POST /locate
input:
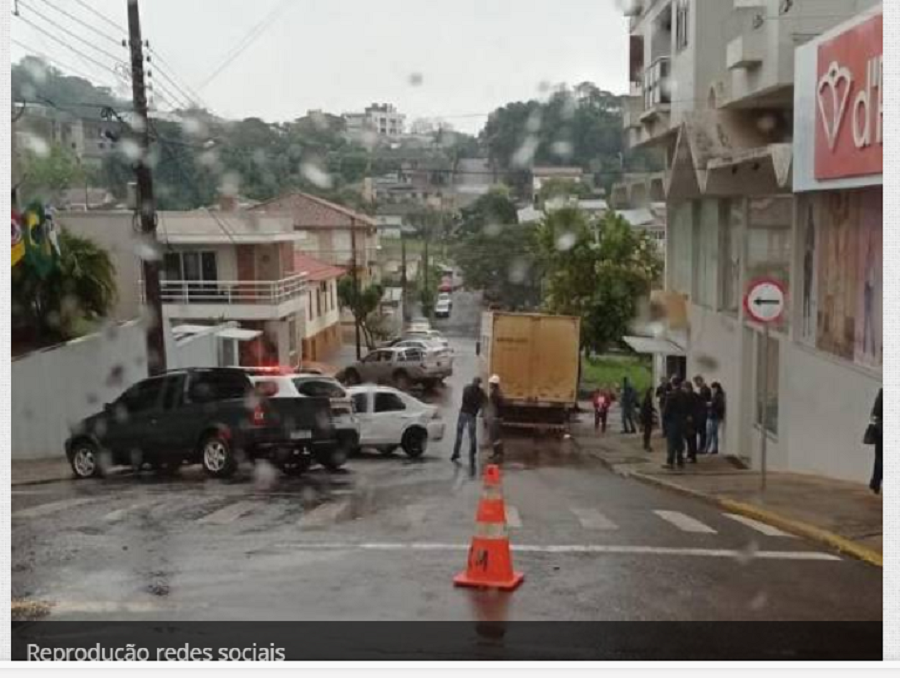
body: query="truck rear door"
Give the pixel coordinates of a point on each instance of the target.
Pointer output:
(555, 356)
(511, 355)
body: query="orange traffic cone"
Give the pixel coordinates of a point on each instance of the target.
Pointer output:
(490, 561)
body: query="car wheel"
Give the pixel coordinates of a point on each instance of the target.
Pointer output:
(402, 381)
(351, 378)
(85, 460)
(217, 456)
(334, 459)
(296, 467)
(415, 440)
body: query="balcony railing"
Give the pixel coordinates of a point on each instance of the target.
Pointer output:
(267, 292)
(657, 89)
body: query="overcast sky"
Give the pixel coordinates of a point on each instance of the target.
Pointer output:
(340, 55)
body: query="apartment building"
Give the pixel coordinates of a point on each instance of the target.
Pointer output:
(713, 88)
(383, 120)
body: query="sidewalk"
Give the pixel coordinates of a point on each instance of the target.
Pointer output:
(39, 471)
(845, 516)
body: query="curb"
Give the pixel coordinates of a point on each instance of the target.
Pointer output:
(796, 527)
(41, 481)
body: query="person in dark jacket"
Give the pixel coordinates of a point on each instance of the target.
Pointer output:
(647, 414)
(472, 401)
(493, 417)
(716, 418)
(694, 405)
(875, 484)
(663, 390)
(705, 394)
(628, 402)
(675, 416)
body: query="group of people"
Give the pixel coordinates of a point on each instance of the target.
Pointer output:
(692, 416)
(490, 405)
(627, 395)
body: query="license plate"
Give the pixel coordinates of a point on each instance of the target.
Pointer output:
(301, 435)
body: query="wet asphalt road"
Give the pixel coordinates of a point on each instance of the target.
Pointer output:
(382, 540)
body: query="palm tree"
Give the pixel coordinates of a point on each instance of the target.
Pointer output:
(80, 289)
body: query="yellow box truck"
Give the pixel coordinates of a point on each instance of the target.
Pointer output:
(537, 358)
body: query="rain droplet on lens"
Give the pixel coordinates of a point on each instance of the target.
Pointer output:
(562, 149)
(493, 230)
(524, 155)
(746, 555)
(230, 185)
(415, 79)
(565, 242)
(317, 176)
(518, 271)
(147, 249)
(116, 376)
(37, 145)
(760, 600)
(129, 149)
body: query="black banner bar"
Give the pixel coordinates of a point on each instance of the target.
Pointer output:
(447, 641)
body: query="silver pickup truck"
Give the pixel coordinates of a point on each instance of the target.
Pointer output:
(402, 366)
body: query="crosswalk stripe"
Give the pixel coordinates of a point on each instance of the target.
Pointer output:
(118, 514)
(767, 530)
(513, 519)
(53, 507)
(592, 519)
(229, 514)
(325, 514)
(685, 523)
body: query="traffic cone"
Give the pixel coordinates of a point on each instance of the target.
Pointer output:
(490, 562)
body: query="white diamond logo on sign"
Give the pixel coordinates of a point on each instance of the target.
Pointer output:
(765, 301)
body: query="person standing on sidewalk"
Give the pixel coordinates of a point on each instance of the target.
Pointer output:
(628, 402)
(675, 417)
(694, 404)
(875, 434)
(472, 401)
(716, 418)
(648, 412)
(493, 414)
(601, 400)
(702, 415)
(662, 391)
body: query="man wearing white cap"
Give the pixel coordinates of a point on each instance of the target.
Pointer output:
(493, 418)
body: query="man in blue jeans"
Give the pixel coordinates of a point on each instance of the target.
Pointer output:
(472, 401)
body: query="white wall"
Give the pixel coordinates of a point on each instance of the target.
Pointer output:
(313, 325)
(57, 387)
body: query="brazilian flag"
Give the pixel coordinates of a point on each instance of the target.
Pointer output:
(39, 232)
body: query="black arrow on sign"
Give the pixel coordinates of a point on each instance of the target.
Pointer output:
(766, 302)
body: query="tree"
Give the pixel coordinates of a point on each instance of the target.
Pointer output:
(363, 306)
(47, 175)
(80, 289)
(599, 273)
(495, 208)
(564, 189)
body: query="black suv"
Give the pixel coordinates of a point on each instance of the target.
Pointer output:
(209, 416)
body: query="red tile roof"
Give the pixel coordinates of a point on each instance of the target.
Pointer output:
(310, 211)
(316, 271)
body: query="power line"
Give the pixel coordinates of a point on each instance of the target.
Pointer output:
(70, 33)
(62, 42)
(157, 69)
(246, 41)
(101, 16)
(90, 27)
(48, 58)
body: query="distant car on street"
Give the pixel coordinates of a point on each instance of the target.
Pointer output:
(317, 386)
(433, 335)
(206, 416)
(446, 286)
(443, 308)
(403, 367)
(389, 419)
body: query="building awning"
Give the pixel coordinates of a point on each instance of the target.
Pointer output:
(239, 334)
(654, 346)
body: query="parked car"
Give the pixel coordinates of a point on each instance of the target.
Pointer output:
(389, 419)
(401, 366)
(317, 386)
(207, 416)
(429, 345)
(419, 325)
(442, 308)
(433, 335)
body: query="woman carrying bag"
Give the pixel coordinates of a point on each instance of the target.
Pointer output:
(874, 437)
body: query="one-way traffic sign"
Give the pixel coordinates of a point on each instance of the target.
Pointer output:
(765, 300)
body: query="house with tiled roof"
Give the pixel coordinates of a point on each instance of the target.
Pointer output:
(321, 327)
(329, 231)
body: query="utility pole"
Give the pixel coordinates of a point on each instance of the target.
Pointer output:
(403, 301)
(156, 345)
(355, 274)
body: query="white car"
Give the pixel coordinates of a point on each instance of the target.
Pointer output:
(389, 419)
(433, 335)
(442, 309)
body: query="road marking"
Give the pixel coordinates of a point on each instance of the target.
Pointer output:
(229, 514)
(598, 549)
(592, 519)
(53, 507)
(325, 514)
(118, 514)
(513, 519)
(685, 523)
(767, 530)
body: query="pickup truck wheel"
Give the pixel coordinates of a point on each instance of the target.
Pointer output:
(401, 379)
(414, 442)
(351, 377)
(296, 467)
(217, 456)
(85, 460)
